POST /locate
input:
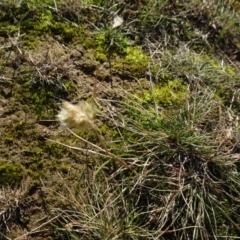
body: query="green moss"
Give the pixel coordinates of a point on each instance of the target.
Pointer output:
(68, 31)
(111, 43)
(34, 162)
(172, 93)
(33, 151)
(88, 42)
(40, 98)
(99, 46)
(98, 2)
(55, 150)
(114, 46)
(16, 131)
(54, 165)
(38, 23)
(134, 55)
(37, 167)
(41, 102)
(125, 58)
(9, 139)
(134, 60)
(90, 135)
(31, 40)
(64, 169)
(68, 85)
(108, 133)
(100, 55)
(10, 174)
(8, 28)
(103, 129)
(26, 220)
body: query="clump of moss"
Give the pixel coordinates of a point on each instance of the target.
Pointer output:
(68, 31)
(110, 43)
(47, 24)
(115, 47)
(10, 173)
(172, 93)
(8, 28)
(34, 162)
(36, 21)
(136, 55)
(54, 149)
(39, 100)
(40, 97)
(17, 130)
(135, 61)
(41, 24)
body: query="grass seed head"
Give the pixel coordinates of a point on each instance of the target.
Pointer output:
(79, 115)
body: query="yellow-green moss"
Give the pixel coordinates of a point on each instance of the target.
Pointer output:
(38, 23)
(108, 133)
(8, 28)
(34, 161)
(100, 46)
(134, 60)
(10, 174)
(41, 24)
(55, 150)
(111, 43)
(16, 131)
(126, 58)
(98, 2)
(114, 46)
(40, 97)
(100, 55)
(86, 41)
(41, 101)
(68, 31)
(31, 40)
(172, 93)
(134, 55)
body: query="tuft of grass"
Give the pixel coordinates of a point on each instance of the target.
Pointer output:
(12, 209)
(183, 180)
(100, 210)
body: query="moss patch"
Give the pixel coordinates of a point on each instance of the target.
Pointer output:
(172, 93)
(115, 47)
(10, 174)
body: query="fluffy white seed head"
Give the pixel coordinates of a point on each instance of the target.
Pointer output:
(79, 115)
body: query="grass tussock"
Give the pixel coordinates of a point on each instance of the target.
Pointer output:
(182, 180)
